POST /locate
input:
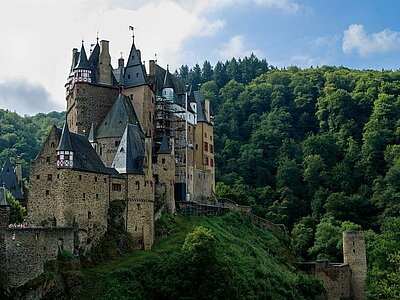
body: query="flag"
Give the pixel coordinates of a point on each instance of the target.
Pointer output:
(131, 28)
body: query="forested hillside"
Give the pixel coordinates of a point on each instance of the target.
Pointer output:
(315, 149)
(21, 137)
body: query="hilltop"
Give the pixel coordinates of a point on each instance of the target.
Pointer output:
(226, 255)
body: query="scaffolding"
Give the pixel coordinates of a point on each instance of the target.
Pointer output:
(170, 119)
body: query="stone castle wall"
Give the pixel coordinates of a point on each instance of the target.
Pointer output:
(335, 278)
(354, 254)
(106, 148)
(164, 170)
(88, 103)
(143, 100)
(25, 251)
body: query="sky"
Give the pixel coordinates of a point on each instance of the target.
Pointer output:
(37, 37)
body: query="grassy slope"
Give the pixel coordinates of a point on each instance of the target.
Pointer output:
(252, 251)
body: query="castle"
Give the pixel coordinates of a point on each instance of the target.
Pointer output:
(129, 135)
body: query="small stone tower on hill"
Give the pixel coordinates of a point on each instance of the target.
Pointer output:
(354, 255)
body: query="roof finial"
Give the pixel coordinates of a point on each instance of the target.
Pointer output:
(121, 54)
(133, 31)
(97, 37)
(167, 68)
(155, 54)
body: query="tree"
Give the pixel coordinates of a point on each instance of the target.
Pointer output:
(17, 211)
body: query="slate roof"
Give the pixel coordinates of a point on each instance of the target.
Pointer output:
(135, 72)
(65, 140)
(10, 180)
(130, 154)
(83, 62)
(92, 133)
(164, 148)
(85, 157)
(121, 113)
(167, 79)
(201, 111)
(177, 82)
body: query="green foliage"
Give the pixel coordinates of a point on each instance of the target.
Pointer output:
(17, 211)
(218, 257)
(383, 251)
(22, 137)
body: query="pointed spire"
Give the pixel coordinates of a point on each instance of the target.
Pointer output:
(65, 140)
(92, 133)
(167, 79)
(3, 196)
(83, 62)
(130, 154)
(164, 148)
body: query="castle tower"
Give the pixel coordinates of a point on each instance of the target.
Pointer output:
(168, 87)
(355, 256)
(137, 88)
(165, 174)
(82, 71)
(132, 160)
(65, 151)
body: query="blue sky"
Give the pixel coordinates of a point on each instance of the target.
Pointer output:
(38, 36)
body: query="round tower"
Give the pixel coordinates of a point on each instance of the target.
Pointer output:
(355, 256)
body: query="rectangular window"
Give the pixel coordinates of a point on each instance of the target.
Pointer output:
(211, 148)
(206, 160)
(156, 178)
(89, 215)
(205, 146)
(84, 196)
(137, 185)
(48, 159)
(116, 187)
(37, 176)
(49, 177)
(80, 177)
(47, 192)
(97, 196)
(212, 162)
(95, 179)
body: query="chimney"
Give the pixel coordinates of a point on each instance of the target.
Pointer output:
(121, 63)
(152, 67)
(104, 68)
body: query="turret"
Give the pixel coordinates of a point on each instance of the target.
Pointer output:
(168, 87)
(82, 70)
(135, 74)
(65, 151)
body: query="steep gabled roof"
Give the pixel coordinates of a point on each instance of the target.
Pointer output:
(85, 157)
(130, 154)
(10, 180)
(121, 113)
(65, 140)
(201, 111)
(168, 79)
(92, 133)
(164, 148)
(177, 82)
(83, 62)
(94, 57)
(135, 73)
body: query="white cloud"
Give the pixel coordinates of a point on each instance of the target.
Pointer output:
(18, 94)
(236, 47)
(355, 38)
(286, 6)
